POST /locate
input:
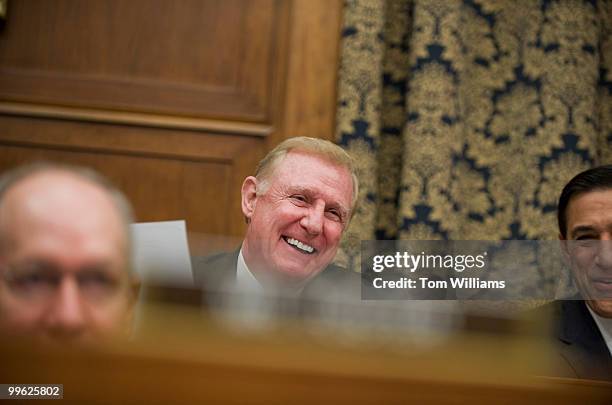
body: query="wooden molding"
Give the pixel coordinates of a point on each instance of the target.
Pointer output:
(311, 69)
(147, 120)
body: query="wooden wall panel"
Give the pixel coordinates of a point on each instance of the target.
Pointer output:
(185, 58)
(163, 185)
(160, 174)
(174, 101)
(309, 101)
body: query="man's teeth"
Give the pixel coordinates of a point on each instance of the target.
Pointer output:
(300, 245)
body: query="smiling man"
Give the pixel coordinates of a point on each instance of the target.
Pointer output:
(297, 207)
(64, 256)
(584, 324)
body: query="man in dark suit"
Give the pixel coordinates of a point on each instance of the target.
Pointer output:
(297, 207)
(584, 324)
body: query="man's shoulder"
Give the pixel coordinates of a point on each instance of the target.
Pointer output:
(577, 338)
(333, 271)
(334, 280)
(568, 318)
(334, 274)
(550, 310)
(216, 258)
(214, 270)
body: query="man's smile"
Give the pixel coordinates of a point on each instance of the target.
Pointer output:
(603, 285)
(299, 246)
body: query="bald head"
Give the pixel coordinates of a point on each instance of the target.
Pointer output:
(63, 205)
(64, 257)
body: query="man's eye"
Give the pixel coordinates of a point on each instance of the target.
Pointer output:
(585, 242)
(96, 280)
(34, 279)
(299, 198)
(334, 215)
(33, 282)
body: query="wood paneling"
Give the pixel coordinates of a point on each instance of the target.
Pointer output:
(196, 58)
(309, 107)
(174, 101)
(174, 176)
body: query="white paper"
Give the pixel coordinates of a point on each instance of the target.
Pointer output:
(161, 253)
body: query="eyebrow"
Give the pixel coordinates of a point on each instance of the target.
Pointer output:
(47, 266)
(581, 229)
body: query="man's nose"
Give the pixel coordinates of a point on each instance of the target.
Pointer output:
(66, 318)
(312, 221)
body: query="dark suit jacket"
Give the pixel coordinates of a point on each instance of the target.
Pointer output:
(579, 341)
(218, 271)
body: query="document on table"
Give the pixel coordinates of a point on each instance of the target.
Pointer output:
(161, 253)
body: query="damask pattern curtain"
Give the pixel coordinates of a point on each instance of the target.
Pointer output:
(467, 117)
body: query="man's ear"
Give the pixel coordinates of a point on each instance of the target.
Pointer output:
(249, 197)
(564, 248)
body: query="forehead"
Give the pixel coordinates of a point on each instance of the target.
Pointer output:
(316, 174)
(593, 208)
(58, 211)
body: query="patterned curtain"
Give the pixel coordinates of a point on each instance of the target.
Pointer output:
(467, 117)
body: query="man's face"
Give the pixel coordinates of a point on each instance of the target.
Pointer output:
(589, 249)
(63, 271)
(296, 224)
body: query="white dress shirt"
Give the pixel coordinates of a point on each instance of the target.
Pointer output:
(245, 280)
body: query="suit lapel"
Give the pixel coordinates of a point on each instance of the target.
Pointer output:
(584, 347)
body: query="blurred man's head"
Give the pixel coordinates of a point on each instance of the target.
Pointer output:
(585, 222)
(64, 255)
(297, 206)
